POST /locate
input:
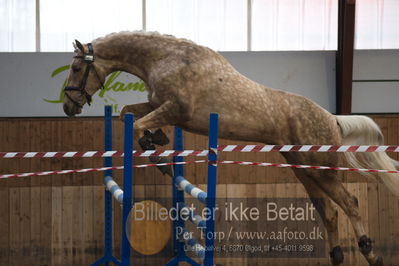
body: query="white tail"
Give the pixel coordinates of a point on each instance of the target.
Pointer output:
(362, 130)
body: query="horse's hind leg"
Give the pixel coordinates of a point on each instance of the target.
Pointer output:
(328, 182)
(328, 212)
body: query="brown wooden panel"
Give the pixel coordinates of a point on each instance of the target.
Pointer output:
(59, 219)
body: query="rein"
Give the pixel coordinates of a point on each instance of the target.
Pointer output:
(88, 58)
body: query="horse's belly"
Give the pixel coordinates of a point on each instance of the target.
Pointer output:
(242, 128)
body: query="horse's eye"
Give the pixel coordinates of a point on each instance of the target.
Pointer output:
(75, 69)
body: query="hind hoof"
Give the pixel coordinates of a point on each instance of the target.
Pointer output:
(337, 255)
(365, 245)
(378, 262)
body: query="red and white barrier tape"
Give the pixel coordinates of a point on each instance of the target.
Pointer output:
(280, 165)
(221, 148)
(90, 154)
(307, 148)
(87, 170)
(284, 165)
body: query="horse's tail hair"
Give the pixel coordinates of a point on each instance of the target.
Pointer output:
(362, 130)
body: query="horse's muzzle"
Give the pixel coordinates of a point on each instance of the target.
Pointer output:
(71, 110)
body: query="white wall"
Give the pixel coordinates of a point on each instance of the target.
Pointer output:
(373, 88)
(311, 74)
(25, 80)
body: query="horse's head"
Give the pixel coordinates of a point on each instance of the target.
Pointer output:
(86, 76)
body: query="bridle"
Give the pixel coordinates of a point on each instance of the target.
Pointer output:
(88, 58)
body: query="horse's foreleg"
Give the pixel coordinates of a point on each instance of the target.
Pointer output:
(139, 110)
(146, 138)
(328, 212)
(169, 113)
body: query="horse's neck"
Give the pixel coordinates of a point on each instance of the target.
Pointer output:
(133, 54)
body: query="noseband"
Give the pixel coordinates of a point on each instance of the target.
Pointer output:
(88, 58)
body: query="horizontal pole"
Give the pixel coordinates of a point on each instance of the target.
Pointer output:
(192, 243)
(189, 188)
(113, 187)
(193, 217)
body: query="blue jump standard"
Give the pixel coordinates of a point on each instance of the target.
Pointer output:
(126, 195)
(181, 185)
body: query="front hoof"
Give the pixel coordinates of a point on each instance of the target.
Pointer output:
(159, 137)
(146, 143)
(165, 169)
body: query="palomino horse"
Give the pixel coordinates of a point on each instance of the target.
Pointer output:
(186, 82)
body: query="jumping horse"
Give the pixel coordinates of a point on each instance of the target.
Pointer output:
(186, 82)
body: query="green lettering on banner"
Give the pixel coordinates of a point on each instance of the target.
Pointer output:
(110, 85)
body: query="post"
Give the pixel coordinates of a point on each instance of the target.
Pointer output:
(108, 257)
(211, 189)
(344, 56)
(108, 195)
(178, 195)
(127, 185)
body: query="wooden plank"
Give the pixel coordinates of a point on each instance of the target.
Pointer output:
(343, 232)
(67, 132)
(271, 194)
(45, 145)
(353, 188)
(88, 143)
(56, 143)
(46, 225)
(57, 245)
(23, 145)
(15, 230)
(87, 225)
(34, 138)
(36, 246)
(364, 213)
(373, 210)
(4, 225)
(383, 212)
(201, 169)
(77, 224)
(189, 144)
(25, 226)
(11, 143)
(96, 129)
(98, 221)
(67, 225)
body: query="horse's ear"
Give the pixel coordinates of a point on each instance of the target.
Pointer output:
(80, 46)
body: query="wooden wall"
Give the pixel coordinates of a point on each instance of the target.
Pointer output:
(58, 220)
